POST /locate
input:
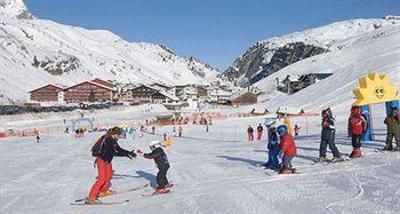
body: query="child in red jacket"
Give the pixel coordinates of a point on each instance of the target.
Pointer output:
(288, 148)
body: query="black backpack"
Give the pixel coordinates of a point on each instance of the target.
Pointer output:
(98, 147)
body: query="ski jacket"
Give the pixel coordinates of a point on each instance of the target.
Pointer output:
(250, 130)
(260, 129)
(357, 125)
(160, 158)
(110, 149)
(392, 122)
(273, 142)
(287, 145)
(328, 128)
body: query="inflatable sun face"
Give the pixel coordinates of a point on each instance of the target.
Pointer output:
(375, 88)
(380, 92)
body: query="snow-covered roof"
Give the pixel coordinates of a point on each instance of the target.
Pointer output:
(170, 96)
(220, 93)
(289, 110)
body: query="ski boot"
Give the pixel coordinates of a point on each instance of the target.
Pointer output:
(285, 171)
(388, 147)
(323, 160)
(161, 190)
(92, 201)
(357, 153)
(106, 193)
(337, 159)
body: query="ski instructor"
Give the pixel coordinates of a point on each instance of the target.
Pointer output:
(104, 150)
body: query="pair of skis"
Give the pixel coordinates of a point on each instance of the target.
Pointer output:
(83, 201)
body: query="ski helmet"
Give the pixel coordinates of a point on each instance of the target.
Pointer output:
(154, 144)
(282, 130)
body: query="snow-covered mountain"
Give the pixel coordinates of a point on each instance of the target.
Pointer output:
(351, 58)
(35, 52)
(269, 56)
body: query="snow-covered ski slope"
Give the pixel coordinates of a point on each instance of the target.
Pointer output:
(35, 52)
(377, 50)
(213, 172)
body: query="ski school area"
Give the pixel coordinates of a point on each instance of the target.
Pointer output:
(219, 171)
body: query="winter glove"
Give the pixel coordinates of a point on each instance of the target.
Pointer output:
(132, 154)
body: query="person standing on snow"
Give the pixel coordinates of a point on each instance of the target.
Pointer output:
(392, 122)
(180, 131)
(161, 160)
(296, 130)
(356, 127)
(288, 148)
(260, 130)
(174, 131)
(153, 130)
(250, 133)
(273, 149)
(328, 137)
(104, 150)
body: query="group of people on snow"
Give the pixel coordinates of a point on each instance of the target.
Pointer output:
(104, 150)
(281, 143)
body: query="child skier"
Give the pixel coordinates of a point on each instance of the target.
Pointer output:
(288, 148)
(260, 130)
(174, 131)
(273, 149)
(161, 160)
(356, 127)
(328, 137)
(104, 150)
(296, 130)
(250, 133)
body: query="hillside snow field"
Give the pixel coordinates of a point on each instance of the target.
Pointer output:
(214, 172)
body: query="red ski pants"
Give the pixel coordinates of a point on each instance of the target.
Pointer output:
(103, 179)
(250, 136)
(259, 135)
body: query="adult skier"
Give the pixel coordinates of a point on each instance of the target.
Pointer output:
(328, 137)
(260, 130)
(392, 122)
(356, 127)
(161, 160)
(273, 149)
(104, 150)
(250, 133)
(288, 148)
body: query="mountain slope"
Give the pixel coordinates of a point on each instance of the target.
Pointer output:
(34, 52)
(269, 56)
(378, 50)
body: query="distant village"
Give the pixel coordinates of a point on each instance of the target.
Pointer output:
(172, 97)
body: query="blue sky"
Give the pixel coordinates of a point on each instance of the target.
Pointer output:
(214, 31)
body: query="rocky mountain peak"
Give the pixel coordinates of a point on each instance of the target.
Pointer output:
(15, 9)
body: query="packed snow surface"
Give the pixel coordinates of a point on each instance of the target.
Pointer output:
(214, 172)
